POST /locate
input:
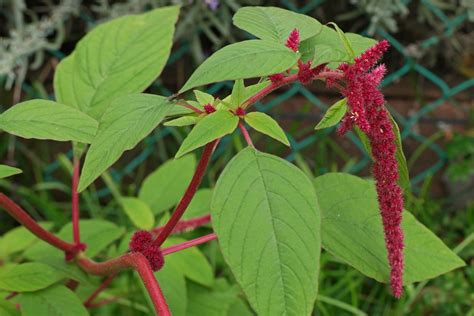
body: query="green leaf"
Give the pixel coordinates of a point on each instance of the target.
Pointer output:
(333, 115)
(352, 231)
(173, 284)
(19, 239)
(404, 177)
(182, 121)
(267, 220)
(8, 308)
(330, 49)
(246, 59)
(238, 94)
(327, 54)
(97, 234)
(54, 301)
(211, 127)
(125, 123)
(115, 59)
(191, 263)
(163, 188)
(271, 23)
(7, 171)
(27, 277)
(267, 125)
(69, 269)
(43, 119)
(215, 302)
(344, 40)
(200, 204)
(203, 98)
(139, 213)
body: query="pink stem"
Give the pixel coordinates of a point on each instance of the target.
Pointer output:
(185, 225)
(136, 261)
(191, 107)
(189, 194)
(268, 89)
(103, 286)
(23, 218)
(75, 201)
(189, 243)
(246, 134)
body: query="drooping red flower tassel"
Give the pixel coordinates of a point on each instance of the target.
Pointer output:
(367, 111)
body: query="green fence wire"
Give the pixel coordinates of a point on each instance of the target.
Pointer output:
(407, 124)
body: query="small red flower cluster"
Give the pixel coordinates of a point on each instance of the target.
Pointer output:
(305, 73)
(142, 241)
(209, 108)
(367, 111)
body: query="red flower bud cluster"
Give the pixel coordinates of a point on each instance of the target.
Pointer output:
(142, 241)
(293, 41)
(209, 108)
(367, 111)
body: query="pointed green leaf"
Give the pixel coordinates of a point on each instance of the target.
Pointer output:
(238, 94)
(203, 98)
(210, 302)
(7, 171)
(352, 231)
(164, 187)
(54, 301)
(138, 212)
(125, 123)
(43, 119)
(247, 59)
(28, 277)
(271, 23)
(330, 49)
(333, 115)
(182, 121)
(328, 54)
(211, 127)
(265, 124)
(267, 220)
(96, 234)
(344, 40)
(115, 59)
(404, 177)
(191, 262)
(19, 239)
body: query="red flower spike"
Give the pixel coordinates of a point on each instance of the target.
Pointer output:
(209, 108)
(240, 111)
(293, 41)
(305, 73)
(366, 110)
(140, 241)
(276, 78)
(154, 256)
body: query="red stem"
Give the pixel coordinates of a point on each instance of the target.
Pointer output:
(136, 261)
(103, 286)
(189, 194)
(23, 218)
(268, 89)
(189, 243)
(189, 106)
(75, 201)
(186, 224)
(246, 134)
